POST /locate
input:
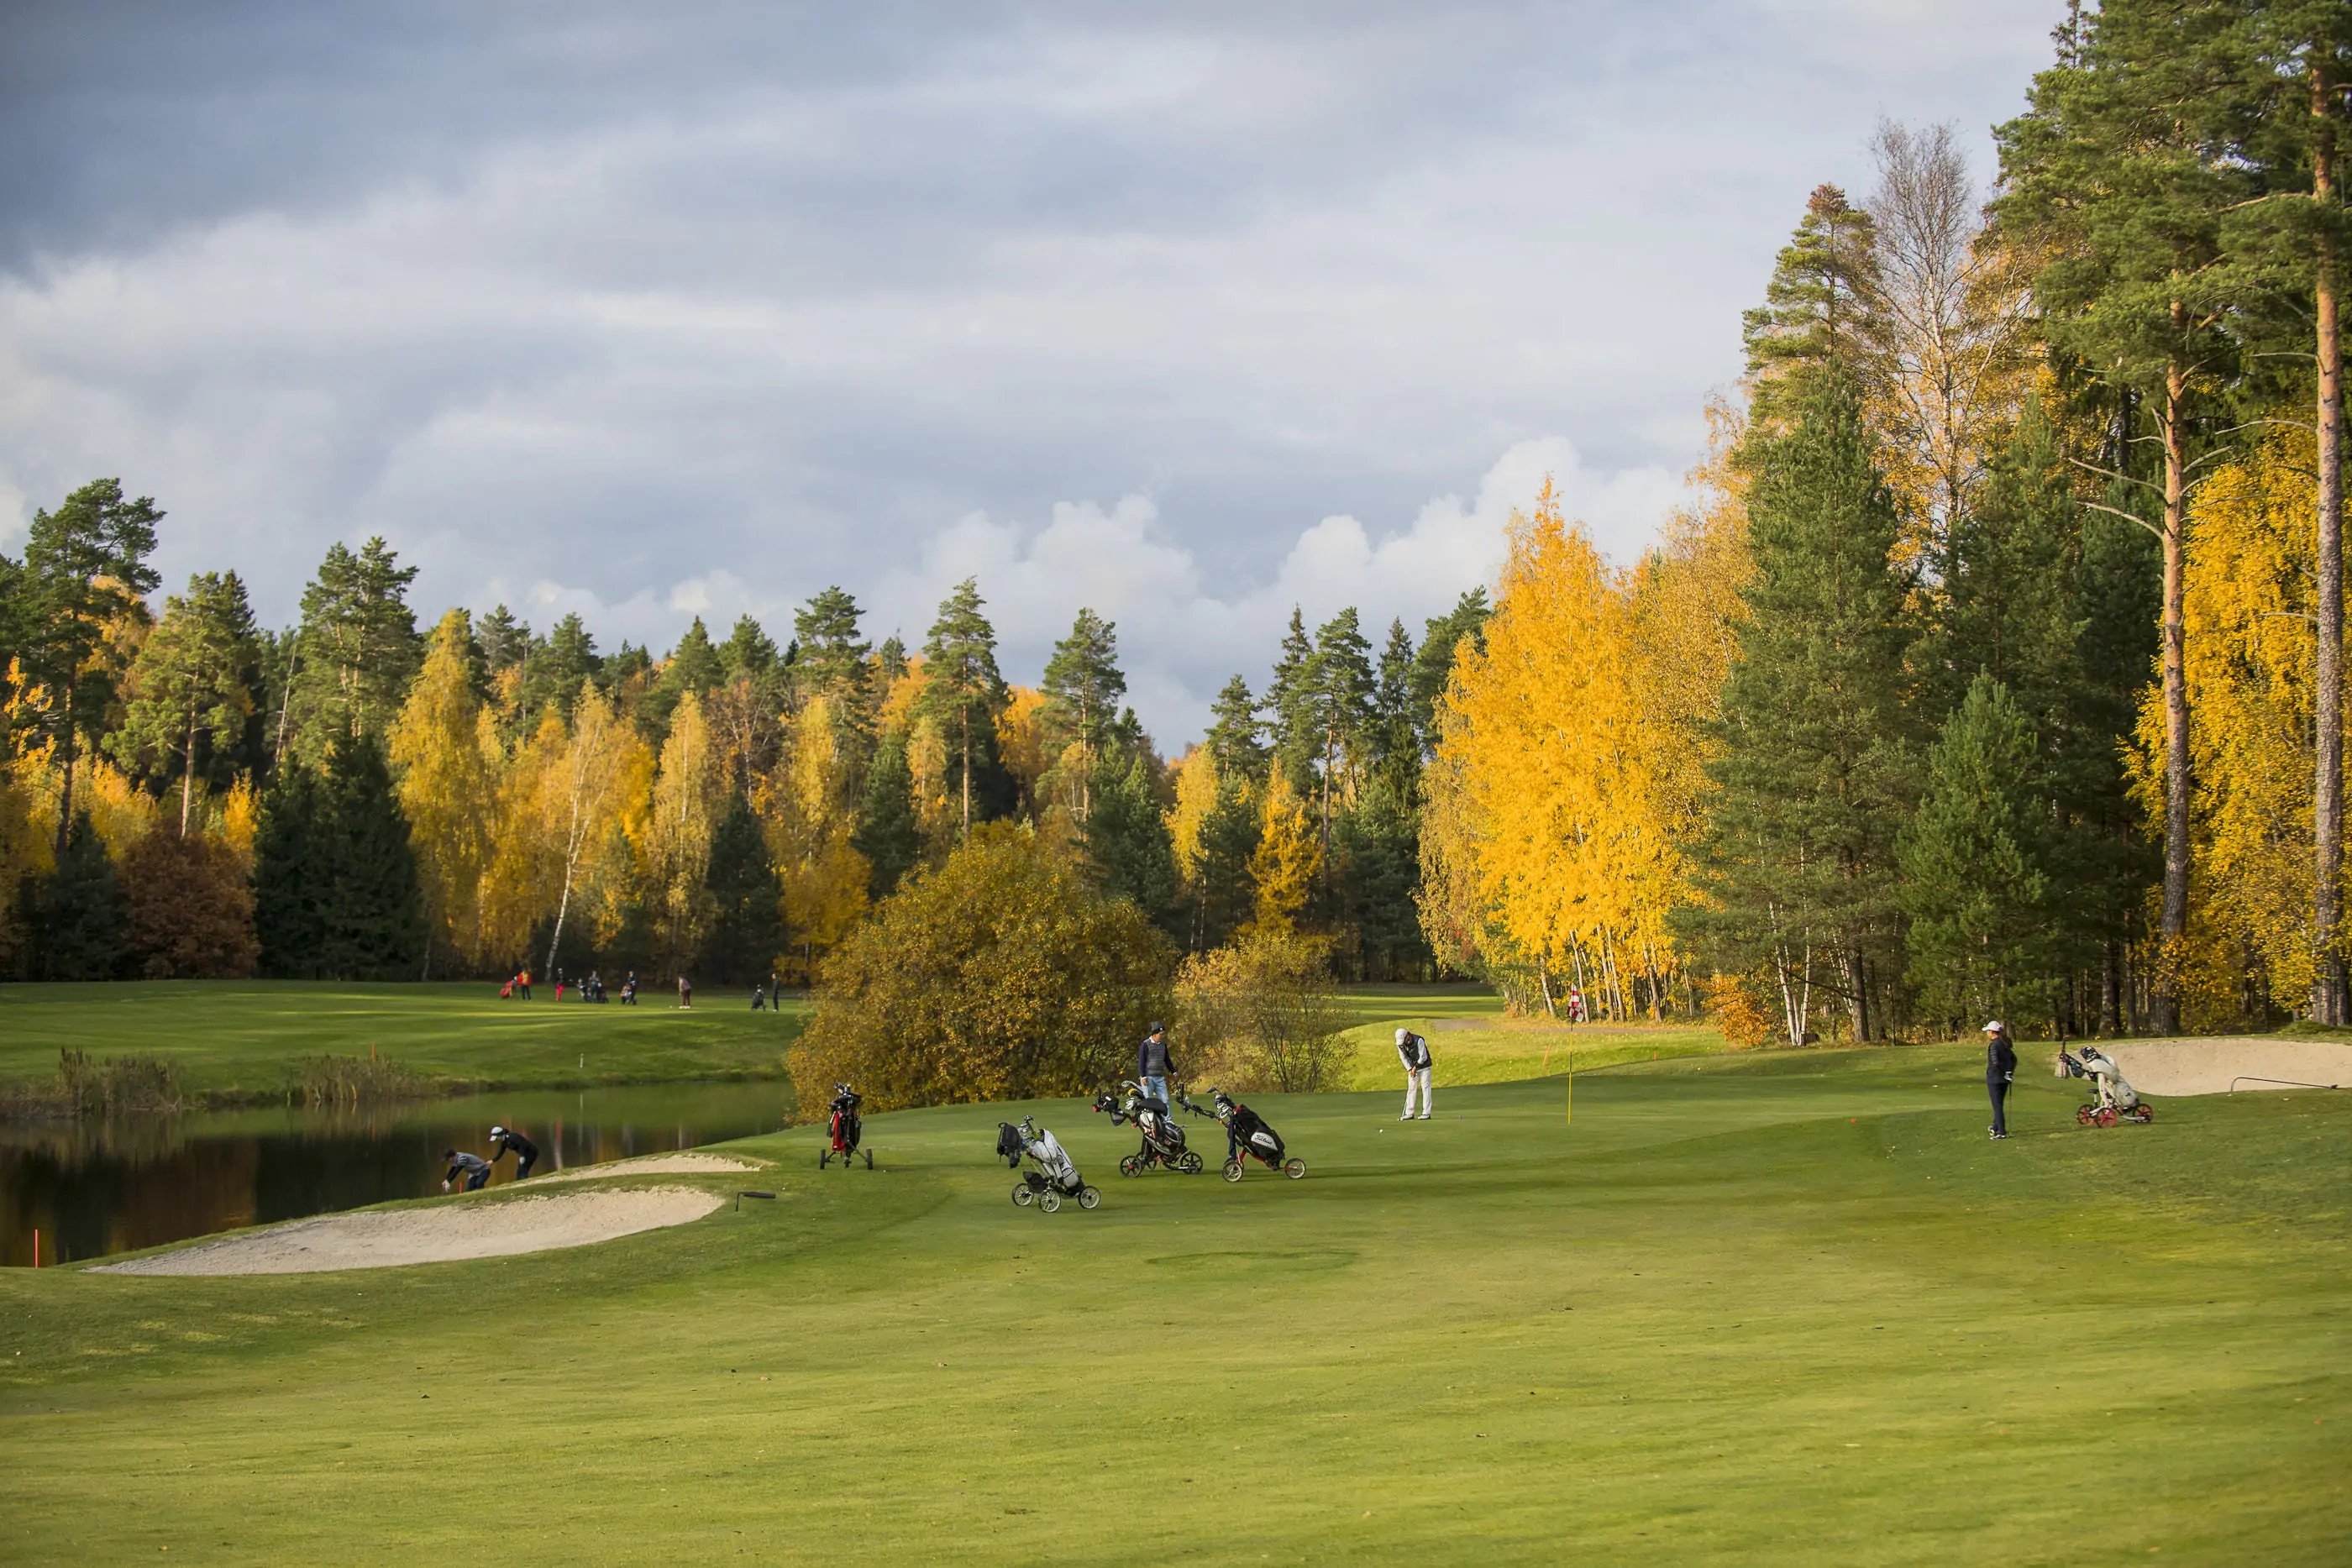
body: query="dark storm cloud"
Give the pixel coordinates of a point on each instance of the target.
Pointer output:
(647, 311)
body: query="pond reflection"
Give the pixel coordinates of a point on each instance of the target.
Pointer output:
(95, 1187)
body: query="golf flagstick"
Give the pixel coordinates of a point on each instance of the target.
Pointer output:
(1571, 1086)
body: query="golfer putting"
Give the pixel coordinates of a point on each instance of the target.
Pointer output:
(1414, 1051)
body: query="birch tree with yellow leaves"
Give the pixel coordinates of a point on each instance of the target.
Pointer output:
(447, 789)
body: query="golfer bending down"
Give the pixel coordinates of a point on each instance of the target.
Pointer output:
(476, 1169)
(526, 1153)
(1414, 1051)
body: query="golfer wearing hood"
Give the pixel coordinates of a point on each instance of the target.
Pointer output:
(2000, 1071)
(1414, 1051)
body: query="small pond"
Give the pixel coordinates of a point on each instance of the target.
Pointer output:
(95, 1187)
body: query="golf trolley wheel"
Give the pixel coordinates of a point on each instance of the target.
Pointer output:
(1233, 1170)
(1050, 1201)
(1088, 1197)
(2142, 1114)
(2082, 1114)
(823, 1158)
(1023, 1196)
(1191, 1164)
(869, 1159)
(2106, 1118)
(1130, 1166)
(1294, 1168)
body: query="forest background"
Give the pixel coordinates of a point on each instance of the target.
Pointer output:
(1999, 672)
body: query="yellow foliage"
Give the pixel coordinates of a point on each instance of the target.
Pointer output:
(2251, 652)
(238, 820)
(122, 812)
(809, 828)
(1021, 738)
(446, 790)
(1195, 778)
(1283, 867)
(688, 796)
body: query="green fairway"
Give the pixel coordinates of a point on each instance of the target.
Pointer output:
(230, 1040)
(1790, 1308)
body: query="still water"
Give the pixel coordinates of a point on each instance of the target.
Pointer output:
(95, 1187)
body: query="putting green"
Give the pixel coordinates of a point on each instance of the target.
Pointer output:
(1781, 1309)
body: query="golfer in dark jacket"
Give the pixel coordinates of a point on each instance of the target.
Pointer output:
(2000, 1071)
(1154, 1067)
(526, 1153)
(476, 1169)
(1414, 1051)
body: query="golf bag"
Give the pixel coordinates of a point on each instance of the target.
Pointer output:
(2117, 1101)
(1246, 1133)
(1163, 1139)
(1055, 1176)
(847, 1127)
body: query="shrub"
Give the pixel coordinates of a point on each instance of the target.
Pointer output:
(1743, 1018)
(1261, 1013)
(999, 975)
(189, 909)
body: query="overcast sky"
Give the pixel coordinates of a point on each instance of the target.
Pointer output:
(1186, 313)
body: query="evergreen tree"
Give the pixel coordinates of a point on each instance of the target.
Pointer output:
(1234, 733)
(747, 928)
(85, 567)
(1225, 893)
(1817, 307)
(2120, 174)
(505, 641)
(964, 693)
(555, 671)
(748, 654)
(692, 666)
(1975, 865)
(371, 915)
(289, 893)
(1342, 686)
(1378, 847)
(835, 659)
(1124, 838)
(1082, 686)
(79, 923)
(190, 697)
(888, 833)
(1432, 667)
(1393, 746)
(357, 650)
(1293, 723)
(1798, 853)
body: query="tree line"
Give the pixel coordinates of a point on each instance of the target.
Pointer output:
(2002, 672)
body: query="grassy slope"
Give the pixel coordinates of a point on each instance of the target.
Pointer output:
(230, 1040)
(1747, 1309)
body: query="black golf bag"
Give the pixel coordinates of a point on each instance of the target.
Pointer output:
(1163, 1139)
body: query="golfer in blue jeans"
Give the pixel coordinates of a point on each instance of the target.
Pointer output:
(1154, 1067)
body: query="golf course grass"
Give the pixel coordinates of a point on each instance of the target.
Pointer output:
(1787, 1308)
(229, 1041)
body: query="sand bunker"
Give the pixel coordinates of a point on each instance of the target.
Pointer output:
(659, 1164)
(2165, 1068)
(440, 1234)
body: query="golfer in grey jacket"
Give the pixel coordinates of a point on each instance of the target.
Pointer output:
(1414, 1051)
(1154, 1067)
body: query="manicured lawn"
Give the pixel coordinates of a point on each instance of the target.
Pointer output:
(241, 1038)
(1743, 1309)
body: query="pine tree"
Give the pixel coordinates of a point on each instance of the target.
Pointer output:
(1342, 683)
(1083, 683)
(1392, 746)
(692, 666)
(371, 915)
(357, 650)
(964, 693)
(1799, 855)
(556, 671)
(1441, 641)
(1817, 306)
(747, 928)
(505, 641)
(188, 698)
(79, 924)
(85, 567)
(2116, 175)
(889, 834)
(1234, 734)
(1292, 722)
(1125, 839)
(289, 889)
(748, 654)
(834, 660)
(1224, 893)
(1975, 868)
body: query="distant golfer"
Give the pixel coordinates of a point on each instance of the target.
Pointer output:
(2000, 1071)
(685, 993)
(1414, 1051)
(1153, 1066)
(526, 1153)
(473, 1167)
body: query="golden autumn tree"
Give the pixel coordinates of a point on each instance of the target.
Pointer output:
(1289, 856)
(689, 797)
(448, 792)
(813, 816)
(2250, 653)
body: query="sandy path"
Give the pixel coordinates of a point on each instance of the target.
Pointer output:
(658, 1164)
(2165, 1068)
(440, 1234)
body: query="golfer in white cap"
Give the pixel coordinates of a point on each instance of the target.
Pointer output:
(2000, 1071)
(1414, 1051)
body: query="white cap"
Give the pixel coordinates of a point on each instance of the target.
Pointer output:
(1995, 1027)
(1400, 1035)
(496, 1131)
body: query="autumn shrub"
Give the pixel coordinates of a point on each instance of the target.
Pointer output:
(998, 975)
(352, 1081)
(1739, 1014)
(1260, 1013)
(188, 909)
(106, 1085)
